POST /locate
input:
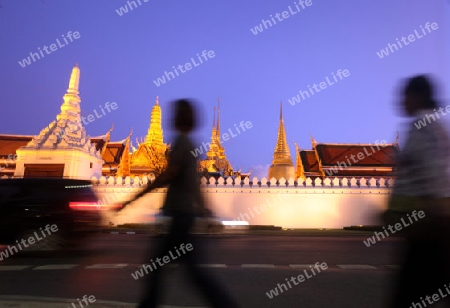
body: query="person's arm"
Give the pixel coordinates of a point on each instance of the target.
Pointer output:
(162, 180)
(165, 178)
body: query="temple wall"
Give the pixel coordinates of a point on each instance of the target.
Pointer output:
(329, 204)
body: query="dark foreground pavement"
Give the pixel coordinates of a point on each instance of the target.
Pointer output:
(249, 266)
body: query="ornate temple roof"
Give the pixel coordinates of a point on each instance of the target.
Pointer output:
(67, 130)
(309, 161)
(216, 161)
(349, 160)
(372, 155)
(113, 153)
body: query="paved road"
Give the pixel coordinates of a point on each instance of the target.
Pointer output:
(250, 266)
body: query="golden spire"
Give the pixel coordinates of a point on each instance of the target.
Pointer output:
(282, 153)
(155, 132)
(218, 118)
(74, 81)
(299, 170)
(125, 163)
(282, 165)
(221, 153)
(213, 150)
(214, 127)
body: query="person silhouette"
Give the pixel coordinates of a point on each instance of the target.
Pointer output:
(184, 201)
(422, 186)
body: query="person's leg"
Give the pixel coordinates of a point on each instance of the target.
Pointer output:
(214, 292)
(418, 277)
(178, 234)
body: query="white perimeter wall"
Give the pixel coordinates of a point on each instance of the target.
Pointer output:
(329, 204)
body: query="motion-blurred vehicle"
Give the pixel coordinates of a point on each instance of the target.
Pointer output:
(206, 224)
(26, 205)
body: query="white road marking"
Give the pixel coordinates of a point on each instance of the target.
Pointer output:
(301, 265)
(55, 267)
(212, 265)
(258, 266)
(97, 266)
(174, 265)
(13, 267)
(356, 266)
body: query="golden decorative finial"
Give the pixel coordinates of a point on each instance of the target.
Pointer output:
(74, 80)
(281, 110)
(218, 117)
(157, 100)
(313, 141)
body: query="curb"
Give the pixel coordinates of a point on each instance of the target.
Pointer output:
(14, 301)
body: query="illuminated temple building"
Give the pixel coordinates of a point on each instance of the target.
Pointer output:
(63, 149)
(332, 159)
(282, 166)
(216, 162)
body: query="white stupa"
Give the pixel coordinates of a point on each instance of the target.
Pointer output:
(62, 149)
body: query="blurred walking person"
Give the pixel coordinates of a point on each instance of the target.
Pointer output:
(422, 184)
(184, 201)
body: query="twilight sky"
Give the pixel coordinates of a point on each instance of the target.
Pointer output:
(121, 57)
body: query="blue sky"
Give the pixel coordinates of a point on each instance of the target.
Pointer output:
(121, 56)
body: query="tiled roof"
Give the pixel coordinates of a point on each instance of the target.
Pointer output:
(369, 155)
(309, 161)
(113, 153)
(10, 143)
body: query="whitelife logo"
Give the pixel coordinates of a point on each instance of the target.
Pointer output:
(284, 15)
(360, 156)
(280, 198)
(11, 159)
(225, 137)
(140, 273)
(124, 9)
(300, 278)
(71, 36)
(184, 68)
(398, 226)
(322, 85)
(86, 300)
(411, 38)
(422, 123)
(31, 240)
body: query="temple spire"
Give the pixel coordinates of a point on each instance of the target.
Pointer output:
(281, 149)
(218, 117)
(155, 132)
(282, 165)
(281, 111)
(66, 132)
(74, 81)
